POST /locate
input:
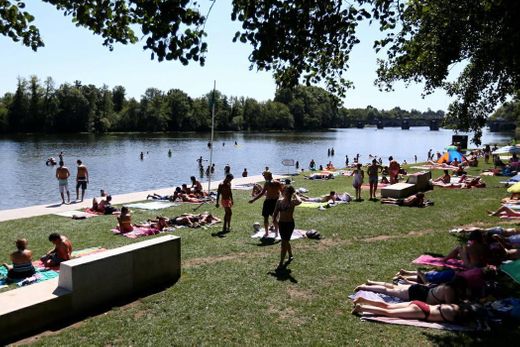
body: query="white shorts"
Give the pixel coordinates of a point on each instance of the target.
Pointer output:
(63, 185)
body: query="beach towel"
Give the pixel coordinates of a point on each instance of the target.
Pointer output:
(375, 297)
(76, 214)
(308, 204)
(366, 186)
(417, 323)
(94, 212)
(40, 276)
(245, 186)
(297, 234)
(434, 261)
(153, 205)
(137, 232)
(512, 269)
(75, 254)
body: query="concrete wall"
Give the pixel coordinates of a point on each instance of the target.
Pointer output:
(89, 283)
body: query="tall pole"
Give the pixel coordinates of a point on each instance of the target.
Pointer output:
(212, 133)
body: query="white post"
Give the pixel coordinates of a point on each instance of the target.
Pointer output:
(212, 134)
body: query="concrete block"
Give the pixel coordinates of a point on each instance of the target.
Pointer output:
(421, 180)
(398, 190)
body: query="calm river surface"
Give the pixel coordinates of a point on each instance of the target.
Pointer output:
(114, 164)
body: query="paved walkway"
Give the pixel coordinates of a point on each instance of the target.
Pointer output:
(41, 210)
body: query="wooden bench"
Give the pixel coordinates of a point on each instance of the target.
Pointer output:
(90, 282)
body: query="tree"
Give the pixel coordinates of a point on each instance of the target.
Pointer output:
(179, 109)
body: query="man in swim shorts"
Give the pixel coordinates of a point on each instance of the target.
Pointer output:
(81, 179)
(373, 176)
(63, 174)
(62, 250)
(272, 191)
(224, 191)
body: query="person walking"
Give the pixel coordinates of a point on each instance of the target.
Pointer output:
(284, 219)
(272, 191)
(224, 192)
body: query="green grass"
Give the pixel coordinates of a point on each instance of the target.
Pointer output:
(228, 292)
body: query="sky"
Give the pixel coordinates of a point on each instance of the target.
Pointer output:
(73, 53)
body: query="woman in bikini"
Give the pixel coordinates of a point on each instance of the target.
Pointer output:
(22, 262)
(125, 220)
(442, 294)
(283, 218)
(410, 310)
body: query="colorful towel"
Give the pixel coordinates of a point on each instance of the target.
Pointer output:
(153, 205)
(434, 261)
(75, 254)
(297, 234)
(76, 214)
(40, 276)
(137, 232)
(512, 269)
(417, 323)
(366, 186)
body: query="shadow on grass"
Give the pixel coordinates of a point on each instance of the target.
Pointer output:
(498, 337)
(267, 241)
(283, 274)
(220, 234)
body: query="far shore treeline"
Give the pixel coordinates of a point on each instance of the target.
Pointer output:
(38, 106)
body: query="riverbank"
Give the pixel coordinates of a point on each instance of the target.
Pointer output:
(229, 294)
(42, 210)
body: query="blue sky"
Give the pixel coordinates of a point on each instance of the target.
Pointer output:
(73, 53)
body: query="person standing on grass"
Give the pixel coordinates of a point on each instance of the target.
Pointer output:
(81, 180)
(359, 175)
(373, 176)
(272, 191)
(63, 174)
(224, 191)
(394, 168)
(283, 218)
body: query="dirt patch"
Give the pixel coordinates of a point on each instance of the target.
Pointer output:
(299, 294)
(214, 259)
(35, 338)
(391, 237)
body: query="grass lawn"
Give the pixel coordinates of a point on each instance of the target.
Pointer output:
(229, 294)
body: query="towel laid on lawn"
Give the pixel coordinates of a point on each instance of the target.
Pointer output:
(75, 254)
(435, 261)
(512, 269)
(76, 214)
(297, 234)
(40, 276)
(137, 232)
(411, 322)
(153, 205)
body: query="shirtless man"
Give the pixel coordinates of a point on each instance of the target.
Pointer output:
(196, 186)
(61, 252)
(81, 180)
(62, 174)
(373, 177)
(224, 191)
(416, 200)
(331, 196)
(272, 191)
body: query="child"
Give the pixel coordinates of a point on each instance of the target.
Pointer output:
(359, 175)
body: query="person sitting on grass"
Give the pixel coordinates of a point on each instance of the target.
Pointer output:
(62, 250)
(196, 187)
(416, 200)
(510, 251)
(473, 254)
(415, 309)
(124, 220)
(445, 178)
(104, 205)
(22, 262)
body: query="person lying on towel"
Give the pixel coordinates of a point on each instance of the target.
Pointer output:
(416, 200)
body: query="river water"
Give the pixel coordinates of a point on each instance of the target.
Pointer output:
(114, 161)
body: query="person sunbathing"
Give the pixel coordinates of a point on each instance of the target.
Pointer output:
(473, 254)
(22, 262)
(511, 253)
(415, 309)
(446, 293)
(445, 178)
(155, 196)
(505, 211)
(194, 221)
(513, 199)
(324, 198)
(416, 200)
(159, 223)
(320, 176)
(124, 220)
(419, 277)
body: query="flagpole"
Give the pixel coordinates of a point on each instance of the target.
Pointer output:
(212, 134)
